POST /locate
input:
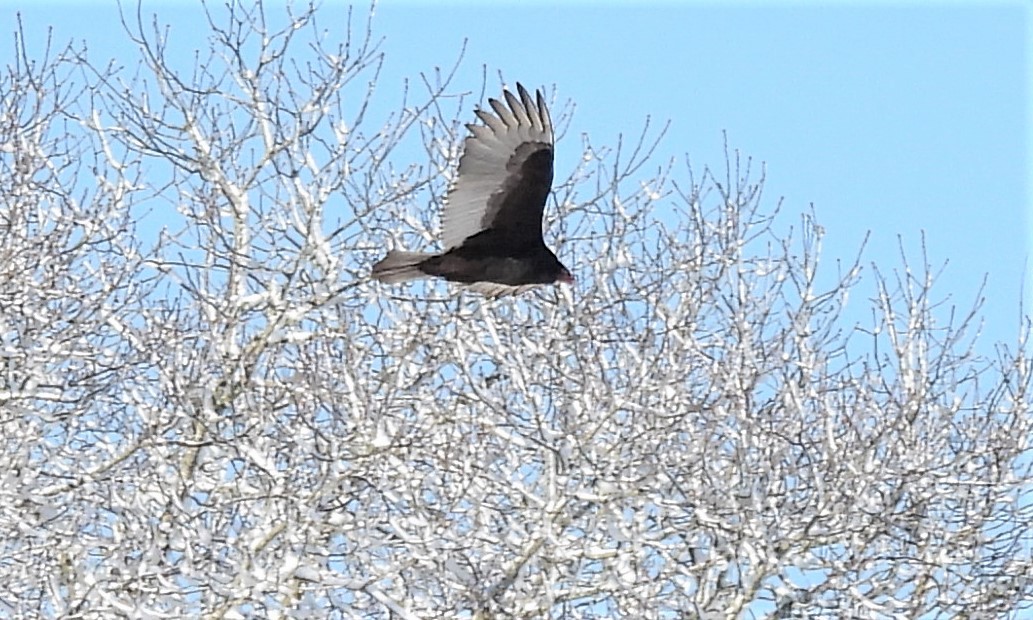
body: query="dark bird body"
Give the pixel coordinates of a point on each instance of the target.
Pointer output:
(492, 220)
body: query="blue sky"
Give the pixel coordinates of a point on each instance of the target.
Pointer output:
(894, 119)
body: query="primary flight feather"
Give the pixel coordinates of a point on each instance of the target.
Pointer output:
(491, 225)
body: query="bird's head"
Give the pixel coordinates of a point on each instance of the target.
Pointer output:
(563, 275)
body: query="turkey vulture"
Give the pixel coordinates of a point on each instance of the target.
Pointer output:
(491, 225)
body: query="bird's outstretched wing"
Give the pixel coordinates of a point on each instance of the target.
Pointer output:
(505, 172)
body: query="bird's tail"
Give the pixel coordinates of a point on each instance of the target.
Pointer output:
(399, 266)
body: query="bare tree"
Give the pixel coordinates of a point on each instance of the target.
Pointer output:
(208, 409)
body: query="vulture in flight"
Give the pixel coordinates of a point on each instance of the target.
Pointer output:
(491, 225)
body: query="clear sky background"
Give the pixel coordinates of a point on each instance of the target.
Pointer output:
(889, 118)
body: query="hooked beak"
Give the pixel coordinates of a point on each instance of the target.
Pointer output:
(566, 278)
